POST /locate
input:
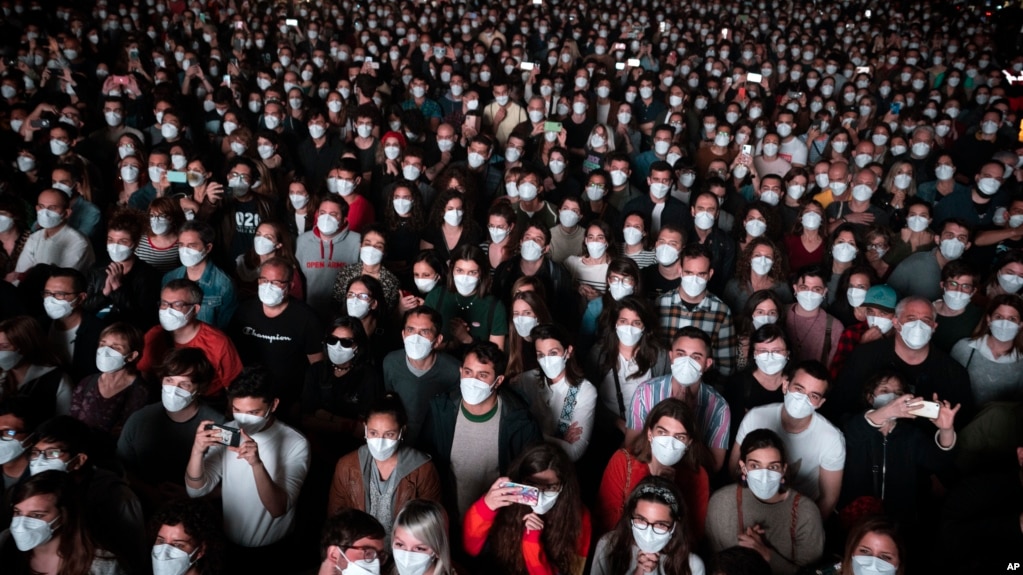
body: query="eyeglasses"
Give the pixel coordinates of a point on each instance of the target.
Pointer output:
(956, 286)
(181, 306)
(8, 434)
(659, 527)
(362, 296)
(275, 283)
(368, 553)
(64, 295)
(344, 341)
(46, 453)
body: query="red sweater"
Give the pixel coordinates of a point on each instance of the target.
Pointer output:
(480, 518)
(694, 485)
(360, 214)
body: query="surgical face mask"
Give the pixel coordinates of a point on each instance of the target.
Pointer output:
(952, 248)
(686, 371)
(764, 483)
(356, 307)
(659, 190)
(770, 362)
(11, 450)
(661, 147)
(843, 252)
(649, 541)
(955, 300)
(524, 324)
(59, 147)
(1004, 330)
(809, 300)
(453, 217)
(552, 365)
(855, 296)
(48, 219)
(883, 400)
(870, 565)
(798, 405)
(9, 359)
(666, 255)
(840, 146)
(545, 502)
(466, 284)
(327, 224)
(26, 163)
(57, 308)
(761, 265)
(1011, 283)
(474, 391)
(169, 131)
(916, 334)
(381, 448)
(667, 450)
(475, 160)
(338, 354)
(190, 257)
(530, 251)
(108, 359)
(988, 186)
(174, 398)
(822, 180)
(169, 560)
(172, 319)
(250, 423)
(270, 295)
(29, 532)
(755, 228)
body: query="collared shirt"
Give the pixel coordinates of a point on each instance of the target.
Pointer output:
(711, 315)
(712, 412)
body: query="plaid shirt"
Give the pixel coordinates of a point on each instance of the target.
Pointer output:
(712, 412)
(711, 315)
(850, 339)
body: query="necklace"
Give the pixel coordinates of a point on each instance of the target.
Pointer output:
(340, 370)
(467, 306)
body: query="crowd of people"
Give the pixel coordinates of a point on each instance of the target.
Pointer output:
(542, 287)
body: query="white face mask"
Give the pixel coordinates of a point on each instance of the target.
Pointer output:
(524, 324)
(29, 532)
(1004, 330)
(686, 371)
(57, 308)
(413, 563)
(764, 483)
(426, 285)
(760, 321)
(856, 296)
(530, 251)
(870, 565)
(327, 224)
(370, 256)
(693, 286)
(843, 252)
(667, 450)
(552, 365)
(453, 217)
(10, 450)
(770, 363)
(650, 542)
(1011, 283)
(250, 423)
(809, 300)
(465, 284)
(356, 307)
(48, 219)
(917, 223)
(798, 405)
(9, 358)
(916, 334)
(175, 399)
(169, 560)
(811, 220)
(666, 255)
(190, 257)
(108, 359)
(381, 448)
(952, 248)
(172, 319)
(474, 391)
(882, 323)
(755, 228)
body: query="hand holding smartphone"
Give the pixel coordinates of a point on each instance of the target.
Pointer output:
(524, 494)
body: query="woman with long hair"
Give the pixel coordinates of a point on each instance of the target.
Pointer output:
(763, 307)
(468, 309)
(874, 545)
(761, 266)
(562, 401)
(272, 241)
(762, 514)
(384, 474)
(669, 446)
(404, 220)
(366, 300)
(994, 355)
(448, 227)
(589, 266)
(528, 311)
(419, 541)
(31, 368)
(188, 540)
(47, 533)
(14, 232)
(805, 243)
(623, 279)
(502, 241)
(543, 532)
(428, 274)
(372, 251)
(652, 535)
(760, 383)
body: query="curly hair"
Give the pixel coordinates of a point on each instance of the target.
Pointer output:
(199, 521)
(416, 219)
(562, 524)
(744, 267)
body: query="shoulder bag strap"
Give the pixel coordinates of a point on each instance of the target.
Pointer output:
(792, 527)
(618, 391)
(738, 507)
(970, 360)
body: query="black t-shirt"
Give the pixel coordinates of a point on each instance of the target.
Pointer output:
(281, 343)
(655, 285)
(245, 220)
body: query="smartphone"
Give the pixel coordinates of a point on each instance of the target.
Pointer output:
(724, 33)
(634, 62)
(229, 436)
(867, 13)
(239, 25)
(618, 46)
(747, 150)
(537, 2)
(227, 80)
(896, 108)
(663, 27)
(133, 54)
(374, 65)
(202, 18)
(619, 66)
(526, 66)
(43, 123)
(753, 77)
(175, 177)
(525, 494)
(552, 126)
(291, 22)
(862, 69)
(928, 409)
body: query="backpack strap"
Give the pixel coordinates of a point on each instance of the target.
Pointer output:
(826, 351)
(792, 527)
(618, 391)
(738, 507)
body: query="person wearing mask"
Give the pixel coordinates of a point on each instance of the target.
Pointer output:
(18, 420)
(260, 472)
(180, 303)
(502, 115)
(188, 541)
(622, 190)
(121, 286)
(471, 444)
(384, 474)
(704, 231)
(352, 543)
(838, 178)
(692, 304)
(643, 163)
(420, 371)
(111, 511)
(874, 545)
(242, 209)
(873, 322)
(71, 331)
(47, 529)
(761, 513)
(978, 205)
(812, 331)
(31, 368)
(858, 210)
(663, 207)
(920, 273)
(992, 356)
(807, 436)
(665, 276)
(277, 330)
(652, 535)
(419, 540)
(343, 181)
(85, 216)
(322, 251)
(544, 536)
(196, 241)
(317, 153)
(55, 242)
(106, 400)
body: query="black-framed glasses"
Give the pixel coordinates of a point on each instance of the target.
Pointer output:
(659, 527)
(344, 341)
(368, 553)
(53, 453)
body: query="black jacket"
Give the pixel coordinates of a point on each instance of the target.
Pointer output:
(134, 302)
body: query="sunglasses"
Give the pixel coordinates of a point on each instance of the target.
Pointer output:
(344, 341)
